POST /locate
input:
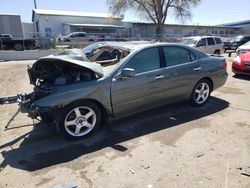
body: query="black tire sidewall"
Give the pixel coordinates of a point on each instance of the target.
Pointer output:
(192, 98)
(64, 112)
(18, 47)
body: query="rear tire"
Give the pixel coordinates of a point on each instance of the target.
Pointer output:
(217, 52)
(201, 93)
(79, 120)
(18, 47)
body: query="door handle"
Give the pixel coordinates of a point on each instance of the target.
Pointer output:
(197, 69)
(158, 77)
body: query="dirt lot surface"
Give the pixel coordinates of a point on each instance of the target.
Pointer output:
(172, 146)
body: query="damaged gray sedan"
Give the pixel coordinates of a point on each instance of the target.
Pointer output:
(77, 91)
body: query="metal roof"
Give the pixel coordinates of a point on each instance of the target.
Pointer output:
(240, 23)
(95, 25)
(188, 25)
(9, 14)
(72, 13)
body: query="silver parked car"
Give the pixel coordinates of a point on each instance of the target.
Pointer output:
(207, 44)
(77, 92)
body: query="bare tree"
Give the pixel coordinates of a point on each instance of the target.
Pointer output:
(155, 10)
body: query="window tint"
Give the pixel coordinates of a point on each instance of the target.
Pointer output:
(202, 42)
(245, 39)
(81, 35)
(176, 55)
(210, 41)
(193, 56)
(73, 35)
(218, 40)
(145, 60)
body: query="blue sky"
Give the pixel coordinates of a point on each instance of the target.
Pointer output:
(208, 12)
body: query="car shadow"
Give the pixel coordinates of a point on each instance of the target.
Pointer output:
(41, 147)
(242, 77)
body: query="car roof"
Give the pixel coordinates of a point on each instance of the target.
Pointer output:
(200, 37)
(136, 45)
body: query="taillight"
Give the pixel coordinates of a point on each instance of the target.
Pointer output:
(224, 65)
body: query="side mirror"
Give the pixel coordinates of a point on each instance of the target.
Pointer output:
(128, 72)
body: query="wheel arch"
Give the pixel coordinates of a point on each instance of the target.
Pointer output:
(217, 50)
(210, 81)
(104, 111)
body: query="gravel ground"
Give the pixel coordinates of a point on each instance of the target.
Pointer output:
(171, 146)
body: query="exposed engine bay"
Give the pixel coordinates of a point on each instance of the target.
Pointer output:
(67, 67)
(58, 72)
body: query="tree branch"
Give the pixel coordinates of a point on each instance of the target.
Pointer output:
(145, 8)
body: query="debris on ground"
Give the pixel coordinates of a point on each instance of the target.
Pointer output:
(132, 171)
(64, 186)
(145, 167)
(150, 186)
(199, 155)
(245, 174)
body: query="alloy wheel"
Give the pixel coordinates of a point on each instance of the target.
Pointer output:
(80, 121)
(201, 93)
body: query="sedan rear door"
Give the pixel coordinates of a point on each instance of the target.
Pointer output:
(182, 72)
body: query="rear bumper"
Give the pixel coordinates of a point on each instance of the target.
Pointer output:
(240, 69)
(220, 80)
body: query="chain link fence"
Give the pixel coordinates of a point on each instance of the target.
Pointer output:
(33, 41)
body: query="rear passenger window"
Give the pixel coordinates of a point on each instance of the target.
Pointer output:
(81, 35)
(193, 56)
(218, 40)
(176, 55)
(210, 41)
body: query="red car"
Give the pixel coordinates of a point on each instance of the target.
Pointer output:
(241, 64)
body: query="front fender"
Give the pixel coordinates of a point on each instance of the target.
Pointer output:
(64, 95)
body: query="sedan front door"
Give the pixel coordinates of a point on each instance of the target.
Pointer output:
(143, 91)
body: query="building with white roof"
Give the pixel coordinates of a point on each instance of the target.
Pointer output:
(51, 23)
(244, 25)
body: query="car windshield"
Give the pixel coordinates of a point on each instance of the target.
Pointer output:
(108, 55)
(91, 47)
(247, 44)
(236, 39)
(189, 41)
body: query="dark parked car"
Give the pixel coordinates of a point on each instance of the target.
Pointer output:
(77, 93)
(241, 64)
(8, 43)
(235, 42)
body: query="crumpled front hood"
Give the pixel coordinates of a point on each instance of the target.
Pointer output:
(95, 67)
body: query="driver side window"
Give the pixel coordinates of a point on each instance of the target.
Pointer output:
(145, 60)
(203, 42)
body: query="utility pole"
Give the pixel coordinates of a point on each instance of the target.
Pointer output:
(35, 4)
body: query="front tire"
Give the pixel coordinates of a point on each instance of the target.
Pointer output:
(79, 120)
(201, 93)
